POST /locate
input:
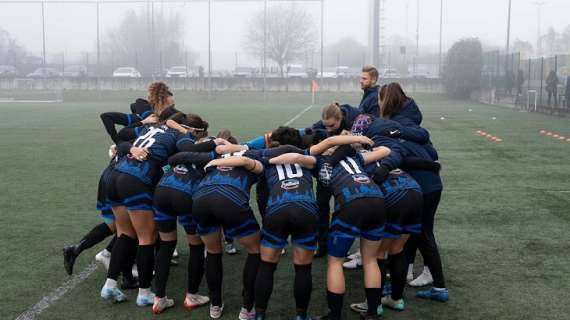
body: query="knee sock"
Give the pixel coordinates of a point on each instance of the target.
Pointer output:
(162, 267)
(302, 288)
(195, 267)
(111, 244)
(264, 285)
(129, 258)
(214, 276)
(373, 300)
(383, 265)
(145, 264)
(398, 271)
(335, 301)
(93, 237)
(249, 274)
(117, 256)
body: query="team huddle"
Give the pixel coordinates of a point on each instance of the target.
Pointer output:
(375, 161)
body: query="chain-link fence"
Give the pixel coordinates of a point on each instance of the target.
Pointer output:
(534, 84)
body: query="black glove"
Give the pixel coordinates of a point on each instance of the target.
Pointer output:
(415, 163)
(341, 153)
(124, 148)
(380, 174)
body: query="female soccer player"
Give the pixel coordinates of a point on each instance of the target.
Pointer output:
(359, 213)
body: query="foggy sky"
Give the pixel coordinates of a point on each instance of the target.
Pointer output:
(71, 28)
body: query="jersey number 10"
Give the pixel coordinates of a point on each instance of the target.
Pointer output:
(285, 171)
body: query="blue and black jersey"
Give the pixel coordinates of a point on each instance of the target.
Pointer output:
(161, 142)
(234, 183)
(182, 177)
(349, 181)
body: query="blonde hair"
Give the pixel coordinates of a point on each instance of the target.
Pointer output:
(158, 93)
(331, 111)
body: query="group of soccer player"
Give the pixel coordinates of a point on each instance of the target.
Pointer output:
(376, 161)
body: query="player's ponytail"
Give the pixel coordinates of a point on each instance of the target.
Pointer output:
(158, 93)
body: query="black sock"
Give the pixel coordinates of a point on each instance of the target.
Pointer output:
(145, 264)
(383, 265)
(214, 276)
(373, 300)
(264, 285)
(129, 258)
(302, 288)
(195, 267)
(335, 301)
(398, 271)
(117, 256)
(111, 244)
(249, 273)
(93, 237)
(157, 244)
(162, 267)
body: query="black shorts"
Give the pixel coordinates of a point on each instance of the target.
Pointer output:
(171, 205)
(294, 221)
(405, 216)
(129, 191)
(103, 203)
(361, 218)
(214, 211)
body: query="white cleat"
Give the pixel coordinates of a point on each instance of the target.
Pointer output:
(230, 248)
(216, 311)
(423, 280)
(397, 305)
(175, 254)
(104, 258)
(354, 263)
(410, 275)
(161, 304)
(194, 301)
(246, 315)
(113, 294)
(145, 298)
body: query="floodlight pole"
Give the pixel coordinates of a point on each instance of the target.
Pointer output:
(209, 48)
(264, 49)
(508, 37)
(43, 35)
(441, 36)
(98, 47)
(322, 38)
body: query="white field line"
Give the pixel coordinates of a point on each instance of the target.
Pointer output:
(298, 115)
(56, 294)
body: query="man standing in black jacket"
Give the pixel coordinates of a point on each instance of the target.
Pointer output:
(369, 102)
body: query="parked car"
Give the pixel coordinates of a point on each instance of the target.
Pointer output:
(243, 72)
(297, 71)
(45, 73)
(8, 71)
(390, 73)
(126, 72)
(179, 72)
(75, 71)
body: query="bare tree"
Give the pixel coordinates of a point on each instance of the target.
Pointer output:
(291, 35)
(10, 52)
(150, 45)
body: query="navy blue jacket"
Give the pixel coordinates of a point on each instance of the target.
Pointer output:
(379, 132)
(348, 115)
(410, 117)
(369, 102)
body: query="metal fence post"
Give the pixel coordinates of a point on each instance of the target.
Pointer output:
(541, 77)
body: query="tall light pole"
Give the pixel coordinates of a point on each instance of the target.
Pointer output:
(264, 48)
(322, 38)
(209, 48)
(509, 27)
(539, 5)
(98, 45)
(43, 35)
(441, 36)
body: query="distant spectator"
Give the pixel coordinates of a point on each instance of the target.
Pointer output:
(552, 88)
(509, 82)
(567, 93)
(520, 82)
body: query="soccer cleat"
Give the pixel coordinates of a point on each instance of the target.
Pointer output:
(145, 299)
(230, 248)
(244, 314)
(69, 257)
(113, 294)
(161, 304)
(436, 294)
(354, 263)
(397, 305)
(410, 275)
(103, 257)
(353, 256)
(175, 254)
(423, 280)
(216, 311)
(362, 307)
(193, 301)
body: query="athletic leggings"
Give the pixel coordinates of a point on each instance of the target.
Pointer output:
(425, 241)
(110, 119)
